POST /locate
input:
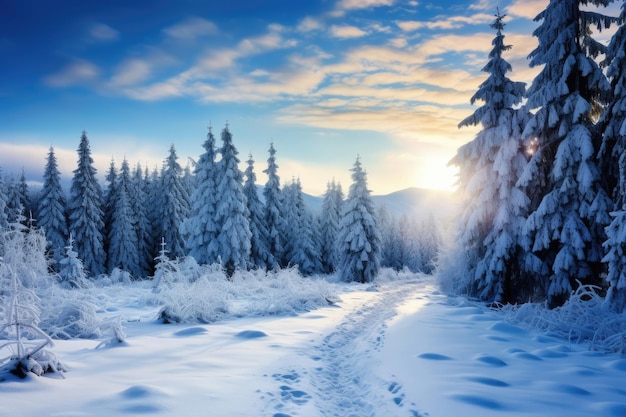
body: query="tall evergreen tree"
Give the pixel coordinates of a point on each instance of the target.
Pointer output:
(273, 207)
(175, 205)
(493, 214)
(123, 233)
(300, 241)
(51, 216)
(24, 196)
(260, 255)
(109, 195)
(569, 206)
(200, 229)
(359, 237)
(4, 218)
(231, 210)
(152, 189)
(139, 203)
(329, 226)
(614, 152)
(85, 211)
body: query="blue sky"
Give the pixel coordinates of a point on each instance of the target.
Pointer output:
(324, 80)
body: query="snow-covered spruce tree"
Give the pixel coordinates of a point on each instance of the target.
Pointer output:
(108, 198)
(300, 241)
(24, 196)
(569, 206)
(85, 211)
(123, 233)
(410, 250)
(613, 153)
(430, 241)
(15, 209)
(273, 208)
(4, 218)
(143, 227)
(231, 210)
(260, 255)
(175, 204)
(200, 229)
(329, 226)
(359, 236)
(489, 167)
(51, 212)
(71, 270)
(152, 187)
(389, 239)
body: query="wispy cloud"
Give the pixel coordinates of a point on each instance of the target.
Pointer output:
(78, 72)
(362, 4)
(528, 9)
(453, 22)
(346, 32)
(191, 28)
(102, 32)
(309, 24)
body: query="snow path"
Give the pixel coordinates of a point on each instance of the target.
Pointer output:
(339, 379)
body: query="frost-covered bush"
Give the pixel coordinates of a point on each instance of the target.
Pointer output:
(23, 345)
(584, 318)
(213, 296)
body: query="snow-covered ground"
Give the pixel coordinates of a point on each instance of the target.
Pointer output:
(395, 349)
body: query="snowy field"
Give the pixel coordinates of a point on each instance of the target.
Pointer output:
(398, 348)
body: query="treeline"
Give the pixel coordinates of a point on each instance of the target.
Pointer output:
(544, 181)
(212, 212)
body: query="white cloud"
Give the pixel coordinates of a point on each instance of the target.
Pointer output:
(79, 72)
(452, 22)
(528, 9)
(191, 28)
(309, 24)
(482, 5)
(362, 4)
(131, 72)
(346, 32)
(102, 32)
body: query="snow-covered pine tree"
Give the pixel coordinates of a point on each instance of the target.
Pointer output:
(410, 250)
(85, 211)
(389, 239)
(123, 233)
(200, 229)
(300, 241)
(15, 209)
(139, 200)
(273, 208)
(175, 204)
(24, 196)
(359, 237)
(231, 210)
(569, 206)
(430, 241)
(329, 226)
(4, 218)
(152, 189)
(489, 168)
(51, 212)
(613, 153)
(108, 198)
(260, 255)
(71, 270)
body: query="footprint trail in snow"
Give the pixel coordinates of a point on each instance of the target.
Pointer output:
(340, 380)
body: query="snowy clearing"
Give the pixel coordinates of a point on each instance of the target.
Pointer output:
(394, 349)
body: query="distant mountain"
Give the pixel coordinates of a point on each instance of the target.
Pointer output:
(415, 202)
